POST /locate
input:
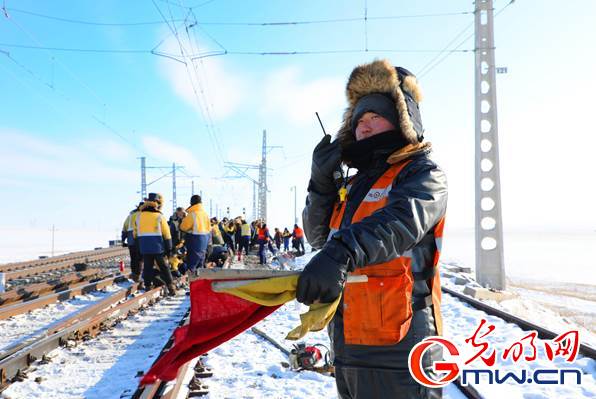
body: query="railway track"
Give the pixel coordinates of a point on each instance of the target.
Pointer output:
(72, 257)
(29, 303)
(36, 271)
(187, 377)
(86, 324)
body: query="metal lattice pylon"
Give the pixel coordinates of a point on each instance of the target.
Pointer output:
(262, 205)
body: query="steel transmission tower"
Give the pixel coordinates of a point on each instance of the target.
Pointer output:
(143, 180)
(174, 188)
(490, 269)
(254, 201)
(262, 206)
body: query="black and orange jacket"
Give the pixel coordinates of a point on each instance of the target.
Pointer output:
(390, 227)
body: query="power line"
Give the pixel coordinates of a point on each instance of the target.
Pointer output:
(203, 109)
(430, 66)
(232, 23)
(67, 98)
(78, 50)
(218, 53)
(83, 22)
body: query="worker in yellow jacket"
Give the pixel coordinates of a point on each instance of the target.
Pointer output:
(198, 231)
(129, 241)
(155, 242)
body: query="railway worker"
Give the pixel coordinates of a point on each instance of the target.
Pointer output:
(174, 223)
(245, 234)
(216, 238)
(264, 239)
(286, 235)
(197, 227)
(128, 240)
(298, 235)
(155, 241)
(388, 226)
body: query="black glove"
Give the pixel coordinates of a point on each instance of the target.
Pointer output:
(322, 279)
(326, 159)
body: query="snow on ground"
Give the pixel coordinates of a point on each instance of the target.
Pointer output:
(27, 243)
(557, 311)
(107, 366)
(545, 256)
(250, 367)
(21, 327)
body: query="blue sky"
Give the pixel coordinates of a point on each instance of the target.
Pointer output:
(72, 124)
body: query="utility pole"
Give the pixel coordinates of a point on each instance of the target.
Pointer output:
(262, 209)
(192, 190)
(53, 234)
(174, 205)
(143, 180)
(490, 270)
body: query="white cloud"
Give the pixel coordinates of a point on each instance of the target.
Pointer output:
(27, 156)
(219, 89)
(165, 151)
(289, 95)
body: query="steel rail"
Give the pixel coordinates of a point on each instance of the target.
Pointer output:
(75, 328)
(65, 264)
(77, 289)
(32, 291)
(543, 333)
(158, 388)
(7, 267)
(74, 318)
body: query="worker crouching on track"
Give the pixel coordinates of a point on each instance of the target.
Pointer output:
(385, 223)
(197, 228)
(155, 242)
(128, 240)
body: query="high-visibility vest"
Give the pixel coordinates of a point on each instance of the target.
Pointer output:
(196, 222)
(245, 230)
(263, 234)
(151, 231)
(379, 311)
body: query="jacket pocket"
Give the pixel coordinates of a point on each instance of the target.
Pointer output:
(379, 311)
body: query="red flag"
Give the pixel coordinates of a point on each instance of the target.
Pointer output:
(214, 319)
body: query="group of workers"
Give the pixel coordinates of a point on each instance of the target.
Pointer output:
(191, 240)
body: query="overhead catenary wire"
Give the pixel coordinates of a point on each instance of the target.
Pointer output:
(219, 53)
(430, 66)
(186, 60)
(51, 86)
(51, 104)
(235, 23)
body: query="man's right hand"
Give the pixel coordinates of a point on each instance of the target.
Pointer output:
(326, 159)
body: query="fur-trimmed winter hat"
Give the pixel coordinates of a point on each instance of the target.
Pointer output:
(380, 76)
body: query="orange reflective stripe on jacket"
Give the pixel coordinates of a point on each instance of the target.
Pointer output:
(379, 311)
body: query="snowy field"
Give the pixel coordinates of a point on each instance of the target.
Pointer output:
(23, 243)
(249, 367)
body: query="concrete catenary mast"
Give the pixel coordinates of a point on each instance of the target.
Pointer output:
(490, 270)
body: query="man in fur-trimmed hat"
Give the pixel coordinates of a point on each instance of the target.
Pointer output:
(384, 223)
